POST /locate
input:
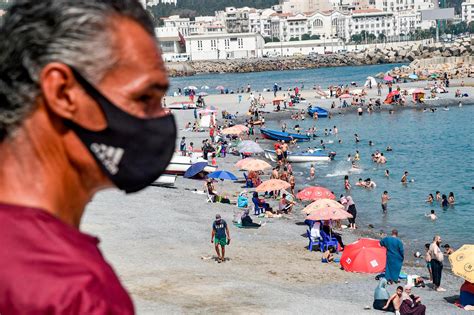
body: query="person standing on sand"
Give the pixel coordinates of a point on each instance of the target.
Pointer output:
(437, 258)
(395, 256)
(385, 199)
(220, 236)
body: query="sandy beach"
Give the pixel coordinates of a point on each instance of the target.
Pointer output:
(159, 242)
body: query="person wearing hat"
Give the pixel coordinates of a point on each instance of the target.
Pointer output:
(220, 237)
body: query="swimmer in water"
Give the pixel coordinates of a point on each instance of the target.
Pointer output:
(335, 131)
(369, 183)
(357, 156)
(438, 196)
(385, 198)
(430, 198)
(312, 172)
(387, 173)
(451, 198)
(347, 184)
(354, 165)
(371, 143)
(349, 158)
(431, 215)
(360, 183)
(389, 148)
(405, 178)
(382, 159)
(357, 139)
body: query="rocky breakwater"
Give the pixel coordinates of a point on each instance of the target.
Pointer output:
(408, 53)
(461, 47)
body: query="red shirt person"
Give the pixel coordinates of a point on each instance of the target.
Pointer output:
(74, 120)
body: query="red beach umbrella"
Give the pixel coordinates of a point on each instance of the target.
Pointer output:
(315, 193)
(365, 256)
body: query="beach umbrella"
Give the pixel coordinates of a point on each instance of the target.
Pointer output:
(462, 262)
(434, 76)
(235, 130)
(322, 203)
(242, 162)
(195, 169)
(202, 94)
(388, 78)
(191, 87)
(315, 193)
(272, 185)
(365, 255)
(345, 96)
(249, 146)
(328, 213)
(220, 87)
(255, 165)
(204, 87)
(413, 76)
(222, 175)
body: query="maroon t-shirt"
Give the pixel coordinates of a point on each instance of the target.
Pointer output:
(49, 267)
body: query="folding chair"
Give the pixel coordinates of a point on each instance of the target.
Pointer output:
(311, 242)
(327, 242)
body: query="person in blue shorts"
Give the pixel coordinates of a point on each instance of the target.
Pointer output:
(220, 237)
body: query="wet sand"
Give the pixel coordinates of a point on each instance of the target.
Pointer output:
(159, 242)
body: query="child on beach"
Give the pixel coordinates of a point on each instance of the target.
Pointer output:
(428, 260)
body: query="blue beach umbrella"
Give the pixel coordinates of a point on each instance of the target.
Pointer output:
(195, 169)
(222, 175)
(413, 76)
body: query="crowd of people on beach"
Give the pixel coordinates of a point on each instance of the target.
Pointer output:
(402, 301)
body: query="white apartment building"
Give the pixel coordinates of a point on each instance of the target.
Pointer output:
(200, 25)
(235, 20)
(260, 22)
(403, 5)
(224, 46)
(327, 24)
(303, 6)
(467, 11)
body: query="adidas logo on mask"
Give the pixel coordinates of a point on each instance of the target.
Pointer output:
(109, 156)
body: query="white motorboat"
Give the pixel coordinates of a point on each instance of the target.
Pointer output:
(179, 164)
(303, 157)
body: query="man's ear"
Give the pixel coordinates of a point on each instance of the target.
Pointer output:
(59, 89)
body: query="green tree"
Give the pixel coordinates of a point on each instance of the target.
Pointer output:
(313, 37)
(294, 39)
(305, 37)
(471, 27)
(267, 39)
(356, 38)
(382, 37)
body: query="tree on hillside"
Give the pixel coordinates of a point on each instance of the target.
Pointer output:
(205, 7)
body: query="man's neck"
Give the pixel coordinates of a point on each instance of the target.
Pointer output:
(35, 172)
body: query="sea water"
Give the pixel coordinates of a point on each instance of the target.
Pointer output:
(323, 77)
(435, 148)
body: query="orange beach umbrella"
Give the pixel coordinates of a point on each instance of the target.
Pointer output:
(315, 193)
(272, 185)
(365, 255)
(322, 203)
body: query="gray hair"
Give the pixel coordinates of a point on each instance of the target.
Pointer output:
(37, 32)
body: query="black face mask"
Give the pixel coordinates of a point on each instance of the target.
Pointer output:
(132, 151)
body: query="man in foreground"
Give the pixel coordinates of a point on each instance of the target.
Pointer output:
(81, 84)
(395, 256)
(220, 237)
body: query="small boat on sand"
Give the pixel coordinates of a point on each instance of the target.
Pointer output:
(285, 136)
(179, 165)
(316, 109)
(165, 180)
(303, 157)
